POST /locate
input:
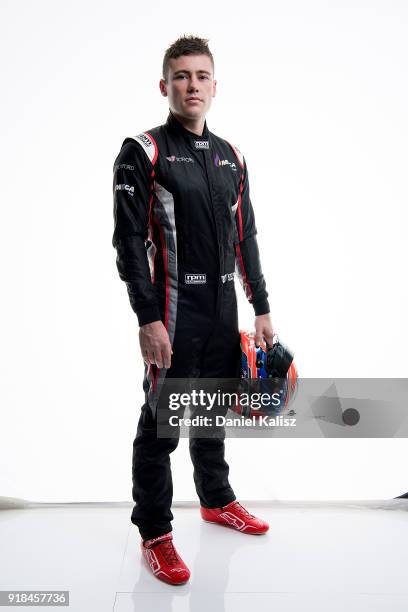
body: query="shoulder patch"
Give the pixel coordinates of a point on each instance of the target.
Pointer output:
(149, 145)
(238, 154)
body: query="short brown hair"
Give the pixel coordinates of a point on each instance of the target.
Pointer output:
(186, 45)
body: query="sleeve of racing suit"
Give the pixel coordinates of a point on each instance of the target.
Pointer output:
(247, 260)
(132, 200)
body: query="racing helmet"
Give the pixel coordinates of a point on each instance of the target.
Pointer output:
(266, 369)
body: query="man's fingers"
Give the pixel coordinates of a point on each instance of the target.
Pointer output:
(155, 357)
(265, 333)
(269, 339)
(150, 357)
(159, 357)
(155, 345)
(164, 357)
(167, 352)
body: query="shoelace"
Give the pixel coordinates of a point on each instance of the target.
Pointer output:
(169, 552)
(243, 510)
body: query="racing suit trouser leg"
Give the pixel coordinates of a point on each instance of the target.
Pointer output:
(220, 359)
(152, 481)
(151, 468)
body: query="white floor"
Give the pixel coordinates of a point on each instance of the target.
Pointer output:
(317, 556)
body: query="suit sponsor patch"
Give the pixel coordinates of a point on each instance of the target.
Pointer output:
(124, 167)
(201, 144)
(174, 158)
(129, 188)
(145, 139)
(195, 279)
(227, 277)
(220, 163)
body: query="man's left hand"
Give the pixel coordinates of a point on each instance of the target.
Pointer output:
(263, 329)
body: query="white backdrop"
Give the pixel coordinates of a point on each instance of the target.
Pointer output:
(315, 95)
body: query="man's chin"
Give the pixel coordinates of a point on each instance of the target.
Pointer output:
(195, 112)
(192, 114)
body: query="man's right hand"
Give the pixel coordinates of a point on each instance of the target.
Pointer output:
(155, 344)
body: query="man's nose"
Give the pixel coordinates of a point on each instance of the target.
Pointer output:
(193, 83)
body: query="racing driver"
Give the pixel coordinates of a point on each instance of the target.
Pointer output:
(184, 225)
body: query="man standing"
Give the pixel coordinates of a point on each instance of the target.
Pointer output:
(184, 224)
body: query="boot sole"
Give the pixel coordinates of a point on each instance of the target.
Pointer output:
(234, 528)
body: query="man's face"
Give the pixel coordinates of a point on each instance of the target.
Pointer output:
(190, 86)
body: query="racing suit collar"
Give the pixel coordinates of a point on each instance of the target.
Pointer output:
(175, 125)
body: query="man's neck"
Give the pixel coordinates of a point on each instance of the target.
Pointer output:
(192, 125)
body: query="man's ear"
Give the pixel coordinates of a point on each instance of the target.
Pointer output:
(214, 88)
(163, 88)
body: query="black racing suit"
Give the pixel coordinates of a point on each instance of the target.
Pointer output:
(184, 224)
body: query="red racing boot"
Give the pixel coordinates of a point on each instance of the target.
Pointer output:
(164, 560)
(236, 516)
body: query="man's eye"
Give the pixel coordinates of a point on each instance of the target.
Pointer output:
(204, 76)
